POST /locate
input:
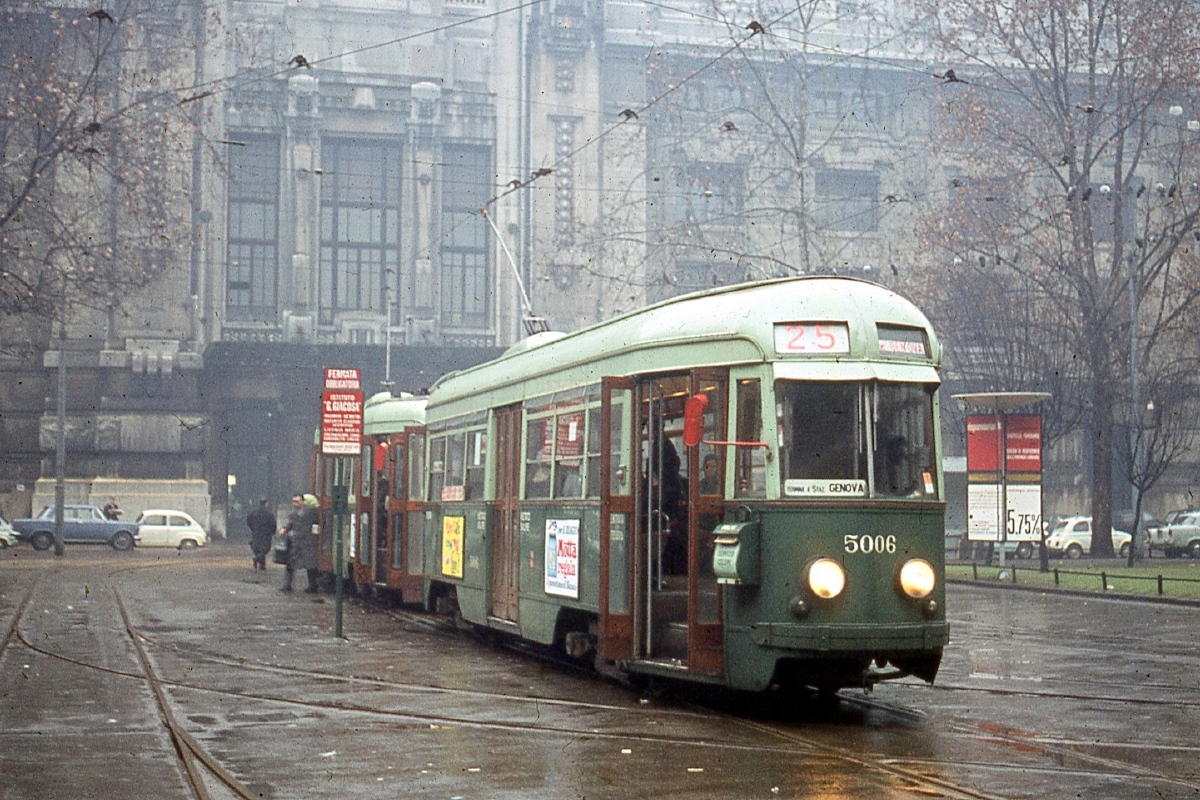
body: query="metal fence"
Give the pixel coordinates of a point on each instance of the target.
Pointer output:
(1104, 575)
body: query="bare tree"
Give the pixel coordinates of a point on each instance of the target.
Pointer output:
(94, 149)
(1075, 167)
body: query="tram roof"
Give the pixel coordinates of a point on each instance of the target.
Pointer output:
(386, 413)
(727, 326)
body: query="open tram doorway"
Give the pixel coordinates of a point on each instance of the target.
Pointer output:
(390, 512)
(676, 499)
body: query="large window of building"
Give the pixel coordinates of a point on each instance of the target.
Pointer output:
(466, 185)
(252, 262)
(847, 199)
(360, 225)
(710, 192)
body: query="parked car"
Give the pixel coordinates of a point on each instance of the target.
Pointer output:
(7, 537)
(1072, 538)
(82, 524)
(164, 527)
(1181, 535)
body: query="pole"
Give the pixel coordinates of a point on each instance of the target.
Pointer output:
(1002, 437)
(341, 491)
(1135, 415)
(387, 348)
(60, 439)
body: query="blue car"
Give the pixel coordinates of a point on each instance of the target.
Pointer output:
(82, 524)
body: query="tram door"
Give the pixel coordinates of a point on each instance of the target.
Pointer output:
(616, 520)
(389, 507)
(675, 500)
(506, 528)
(660, 520)
(705, 508)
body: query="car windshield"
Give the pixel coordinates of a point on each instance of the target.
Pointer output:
(856, 439)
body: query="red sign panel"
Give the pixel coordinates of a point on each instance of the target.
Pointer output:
(1023, 443)
(342, 378)
(983, 444)
(341, 423)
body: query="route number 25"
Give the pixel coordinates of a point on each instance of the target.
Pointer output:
(807, 337)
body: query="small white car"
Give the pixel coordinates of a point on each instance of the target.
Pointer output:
(7, 537)
(1072, 537)
(164, 527)
(1179, 537)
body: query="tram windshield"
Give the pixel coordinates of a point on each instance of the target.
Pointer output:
(869, 439)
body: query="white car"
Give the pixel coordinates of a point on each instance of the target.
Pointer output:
(164, 527)
(1072, 537)
(1181, 535)
(7, 537)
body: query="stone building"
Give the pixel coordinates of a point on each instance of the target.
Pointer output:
(408, 186)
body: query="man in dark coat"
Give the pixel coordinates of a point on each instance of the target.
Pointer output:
(261, 522)
(301, 529)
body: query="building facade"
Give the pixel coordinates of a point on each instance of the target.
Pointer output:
(408, 186)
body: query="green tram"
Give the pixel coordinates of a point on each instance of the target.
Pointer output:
(739, 486)
(382, 549)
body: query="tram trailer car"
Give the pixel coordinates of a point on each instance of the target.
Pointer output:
(381, 550)
(739, 487)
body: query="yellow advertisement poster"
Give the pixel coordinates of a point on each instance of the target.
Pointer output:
(452, 546)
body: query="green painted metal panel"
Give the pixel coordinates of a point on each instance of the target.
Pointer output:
(713, 328)
(759, 626)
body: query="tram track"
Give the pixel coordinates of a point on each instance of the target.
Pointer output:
(193, 758)
(911, 774)
(193, 754)
(920, 775)
(1066, 751)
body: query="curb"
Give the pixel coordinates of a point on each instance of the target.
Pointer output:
(1121, 596)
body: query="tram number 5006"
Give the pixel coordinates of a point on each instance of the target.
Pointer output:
(869, 544)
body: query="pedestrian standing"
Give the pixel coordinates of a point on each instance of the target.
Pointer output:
(261, 522)
(111, 510)
(302, 522)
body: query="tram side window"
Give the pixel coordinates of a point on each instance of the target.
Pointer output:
(437, 467)
(712, 466)
(416, 473)
(750, 467)
(476, 463)
(455, 461)
(593, 453)
(904, 455)
(539, 443)
(395, 469)
(568, 454)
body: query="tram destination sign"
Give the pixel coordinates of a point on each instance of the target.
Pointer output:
(341, 413)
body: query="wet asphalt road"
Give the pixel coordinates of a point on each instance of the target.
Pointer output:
(1040, 696)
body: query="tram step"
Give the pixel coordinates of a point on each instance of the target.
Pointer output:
(671, 641)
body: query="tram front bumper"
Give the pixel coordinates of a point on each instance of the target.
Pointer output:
(851, 637)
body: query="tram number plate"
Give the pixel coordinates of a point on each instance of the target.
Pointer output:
(869, 544)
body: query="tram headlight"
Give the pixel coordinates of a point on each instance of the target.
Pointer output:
(826, 578)
(917, 578)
